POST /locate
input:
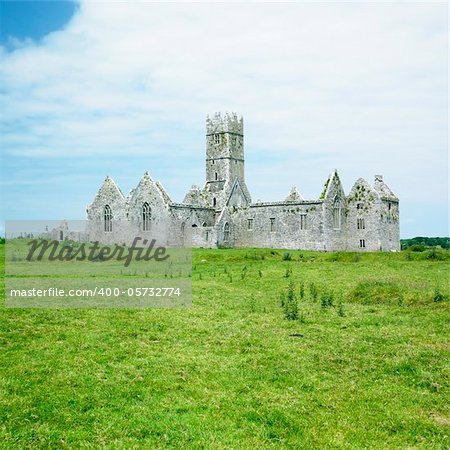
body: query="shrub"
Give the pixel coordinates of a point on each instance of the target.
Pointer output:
(327, 299)
(417, 248)
(287, 257)
(438, 295)
(289, 303)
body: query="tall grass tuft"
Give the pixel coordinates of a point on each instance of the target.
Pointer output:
(302, 290)
(327, 299)
(289, 303)
(438, 295)
(287, 256)
(313, 291)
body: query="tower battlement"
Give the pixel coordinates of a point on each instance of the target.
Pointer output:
(228, 123)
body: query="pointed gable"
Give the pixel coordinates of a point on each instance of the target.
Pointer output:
(108, 194)
(362, 193)
(110, 188)
(383, 190)
(359, 189)
(149, 191)
(294, 196)
(195, 197)
(332, 188)
(238, 195)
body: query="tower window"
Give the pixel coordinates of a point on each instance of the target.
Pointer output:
(302, 221)
(362, 243)
(216, 175)
(360, 224)
(272, 225)
(214, 201)
(217, 138)
(249, 224)
(146, 215)
(107, 215)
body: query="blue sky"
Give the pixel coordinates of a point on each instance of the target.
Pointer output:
(22, 20)
(93, 88)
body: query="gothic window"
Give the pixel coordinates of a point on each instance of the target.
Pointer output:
(302, 221)
(337, 214)
(146, 215)
(107, 215)
(389, 213)
(272, 224)
(226, 232)
(250, 224)
(217, 138)
(362, 243)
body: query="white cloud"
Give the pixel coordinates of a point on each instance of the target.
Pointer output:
(360, 87)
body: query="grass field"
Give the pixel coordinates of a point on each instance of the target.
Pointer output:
(365, 365)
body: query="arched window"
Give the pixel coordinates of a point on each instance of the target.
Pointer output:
(107, 215)
(146, 216)
(204, 224)
(337, 213)
(226, 232)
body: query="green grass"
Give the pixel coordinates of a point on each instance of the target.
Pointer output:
(371, 371)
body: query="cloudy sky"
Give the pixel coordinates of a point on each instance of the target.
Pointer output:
(116, 88)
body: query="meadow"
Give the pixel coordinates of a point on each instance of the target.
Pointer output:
(281, 349)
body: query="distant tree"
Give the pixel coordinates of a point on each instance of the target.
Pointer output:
(443, 242)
